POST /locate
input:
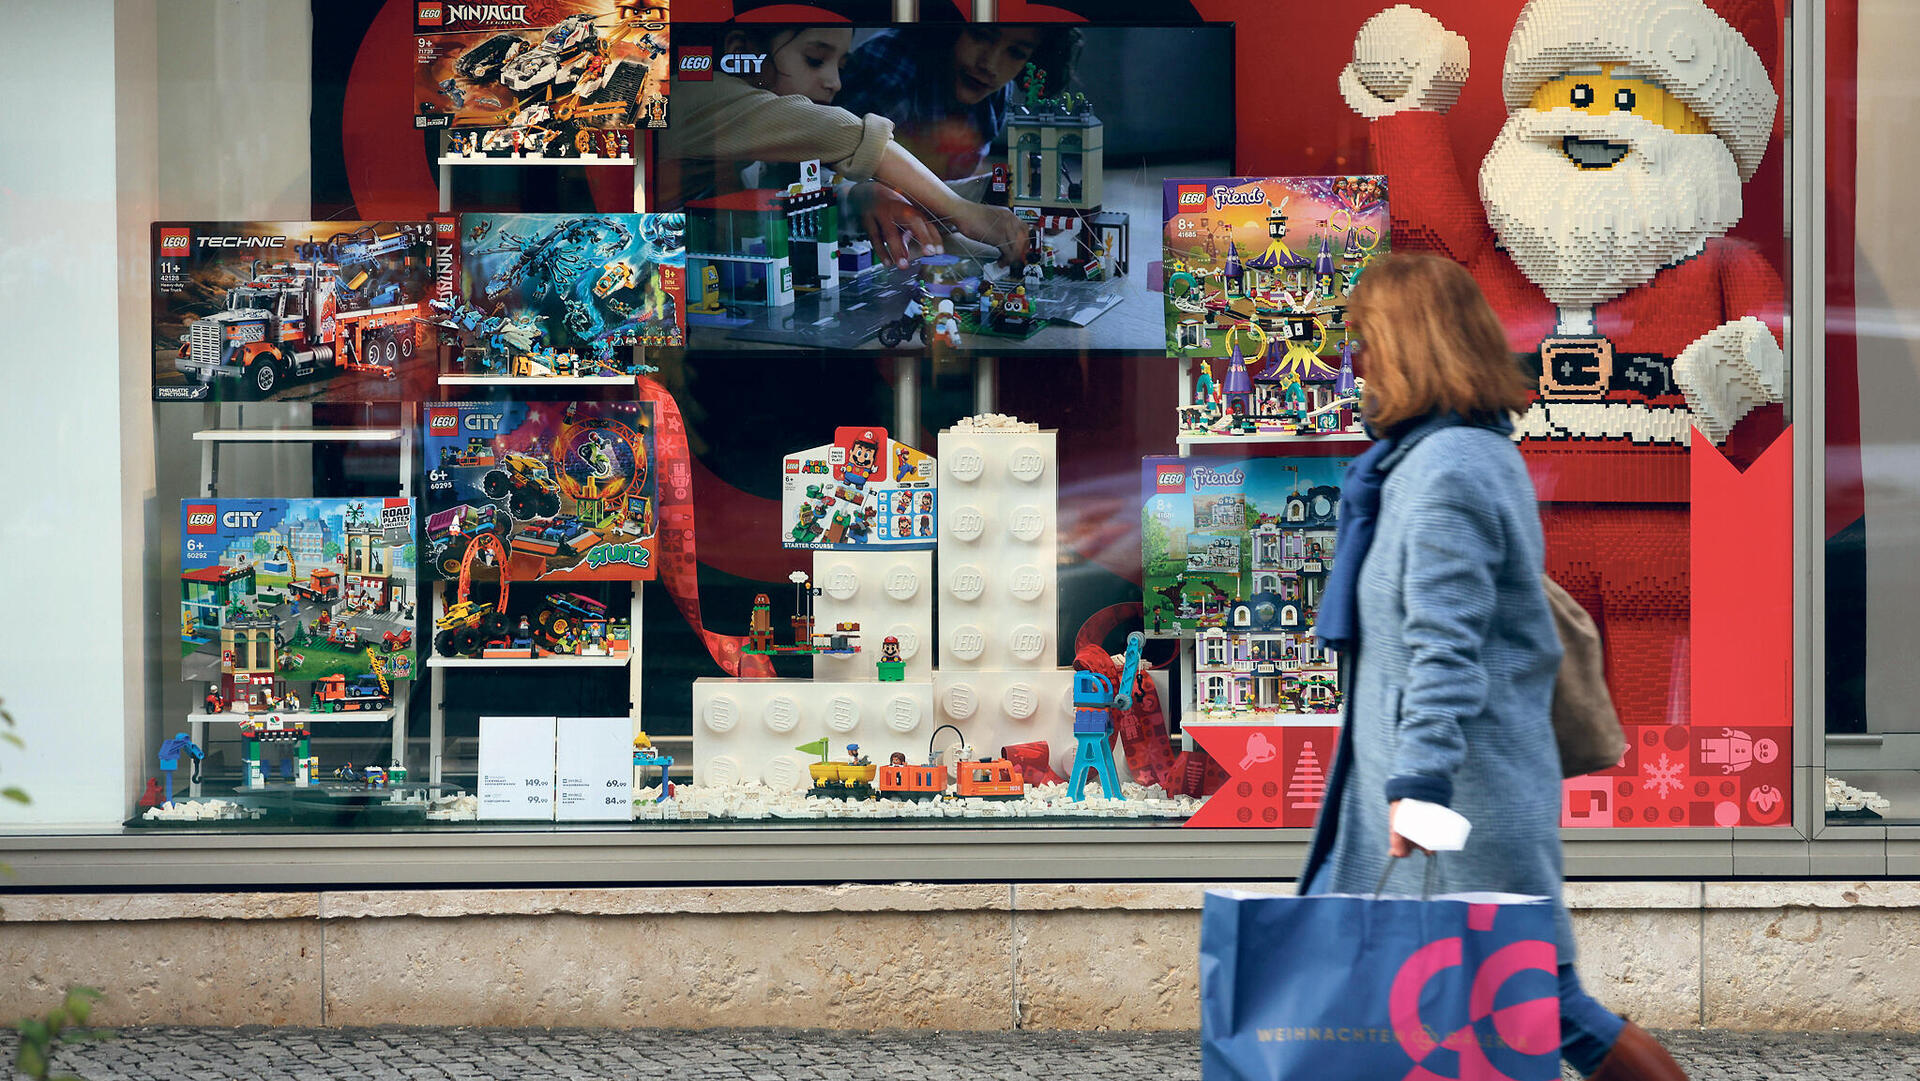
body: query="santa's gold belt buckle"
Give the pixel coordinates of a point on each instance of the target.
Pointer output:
(1575, 367)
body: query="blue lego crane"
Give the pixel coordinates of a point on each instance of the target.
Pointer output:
(1095, 701)
(170, 753)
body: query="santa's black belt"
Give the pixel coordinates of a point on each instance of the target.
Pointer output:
(1589, 368)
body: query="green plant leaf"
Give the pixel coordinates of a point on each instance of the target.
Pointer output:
(17, 795)
(33, 1030)
(31, 1061)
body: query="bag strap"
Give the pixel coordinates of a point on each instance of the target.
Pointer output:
(1426, 884)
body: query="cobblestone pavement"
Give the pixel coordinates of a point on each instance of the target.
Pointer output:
(466, 1054)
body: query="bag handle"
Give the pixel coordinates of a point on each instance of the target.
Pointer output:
(1426, 884)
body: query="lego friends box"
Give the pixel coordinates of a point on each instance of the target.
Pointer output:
(548, 80)
(567, 488)
(306, 311)
(295, 589)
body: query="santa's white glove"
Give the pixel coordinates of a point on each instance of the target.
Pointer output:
(1729, 372)
(1404, 59)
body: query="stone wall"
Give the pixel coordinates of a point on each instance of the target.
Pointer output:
(1745, 955)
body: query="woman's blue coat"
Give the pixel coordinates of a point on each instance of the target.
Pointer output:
(1451, 686)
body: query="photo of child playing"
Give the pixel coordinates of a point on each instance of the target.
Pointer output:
(897, 141)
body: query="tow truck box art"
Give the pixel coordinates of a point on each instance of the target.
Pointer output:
(567, 294)
(1266, 264)
(549, 80)
(307, 311)
(861, 491)
(566, 487)
(288, 590)
(1243, 544)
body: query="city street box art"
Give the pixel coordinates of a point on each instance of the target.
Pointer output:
(565, 488)
(298, 311)
(564, 294)
(282, 591)
(549, 80)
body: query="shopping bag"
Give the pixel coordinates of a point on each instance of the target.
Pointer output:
(1351, 988)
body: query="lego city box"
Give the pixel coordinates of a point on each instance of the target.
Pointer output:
(289, 590)
(864, 490)
(298, 311)
(563, 294)
(553, 80)
(1265, 265)
(566, 489)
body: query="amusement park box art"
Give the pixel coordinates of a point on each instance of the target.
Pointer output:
(1240, 543)
(1266, 264)
(298, 311)
(286, 590)
(566, 489)
(566, 294)
(550, 80)
(863, 490)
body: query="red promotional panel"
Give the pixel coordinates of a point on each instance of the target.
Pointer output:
(1276, 775)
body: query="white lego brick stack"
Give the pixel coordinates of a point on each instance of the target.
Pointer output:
(999, 680)
(888, 594)
(746, 730)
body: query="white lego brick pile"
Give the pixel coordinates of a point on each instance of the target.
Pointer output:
(887, 593)
(755, 802)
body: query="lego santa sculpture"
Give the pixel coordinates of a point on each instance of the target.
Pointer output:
(1600, 238)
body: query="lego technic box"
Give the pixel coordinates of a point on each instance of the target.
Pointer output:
(565, 488)
(306, 311)
(1240, 543)
(548, 80)
(287, 590)
(861, 491)
(563, 294)
(1257, 275)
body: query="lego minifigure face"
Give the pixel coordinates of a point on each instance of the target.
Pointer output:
(986, 59)
(1605, 89)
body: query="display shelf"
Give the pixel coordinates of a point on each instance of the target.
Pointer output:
(1199, 439)
(537, 380)
(368, 716)
(297, 435)
(454, 159)
(438, 661)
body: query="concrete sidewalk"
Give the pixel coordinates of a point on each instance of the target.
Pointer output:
(465, 1054)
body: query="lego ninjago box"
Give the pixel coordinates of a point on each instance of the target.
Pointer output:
(275, 590)
(564, 489)
(306, 311)
(547, 80)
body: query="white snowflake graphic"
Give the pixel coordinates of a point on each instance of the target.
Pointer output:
(1664, 776)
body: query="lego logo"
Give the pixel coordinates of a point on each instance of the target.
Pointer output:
(442, 422)
(1170, 480)
(696, 64)
(175, 241)
(1192, 195)
(200, 519)
(430, 15)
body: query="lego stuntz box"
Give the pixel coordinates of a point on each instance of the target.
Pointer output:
(566, 489)
(306, 311)
(1266, 263)
(548, 80)
(296, 589)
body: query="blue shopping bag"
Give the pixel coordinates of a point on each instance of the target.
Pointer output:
(1349, 988)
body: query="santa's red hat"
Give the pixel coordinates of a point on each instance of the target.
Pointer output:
(1683, 45)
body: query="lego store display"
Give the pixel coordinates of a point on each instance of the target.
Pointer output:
(1257, 277)
(562, 294)
(1049, 158)
(561, 80)
(564, 489)
(863, 490)
(317, 591)
(306, 311)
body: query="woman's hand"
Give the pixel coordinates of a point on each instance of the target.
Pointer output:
(1397, 846)
(996, 226)
(893, 223)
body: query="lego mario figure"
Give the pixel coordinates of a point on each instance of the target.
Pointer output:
(1600, 239)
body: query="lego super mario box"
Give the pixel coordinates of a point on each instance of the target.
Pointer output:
(565, 488)
(1240, 543)
(567, 294)
(296, 589)
(306, 311)
(863, 490)
(1266, 264)
(550, 80)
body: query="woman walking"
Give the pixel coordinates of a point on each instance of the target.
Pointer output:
(1436, 607)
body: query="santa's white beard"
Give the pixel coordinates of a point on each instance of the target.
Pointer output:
(1585, 236)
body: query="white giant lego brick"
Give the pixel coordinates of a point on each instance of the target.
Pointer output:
(746, 730)
(999, 551)
(887, 593)
(516, 768)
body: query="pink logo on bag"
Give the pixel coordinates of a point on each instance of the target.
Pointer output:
(1516, 1026)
